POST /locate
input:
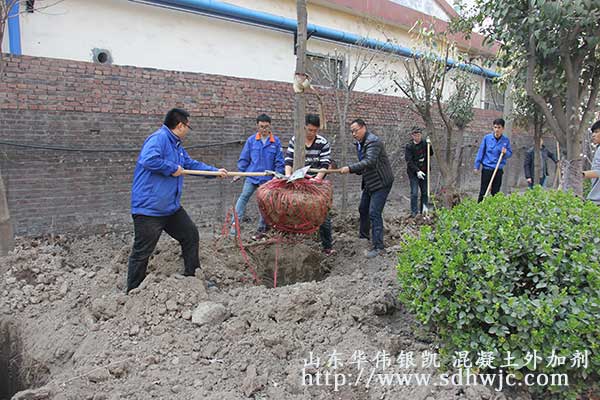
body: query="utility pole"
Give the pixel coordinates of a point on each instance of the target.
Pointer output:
(299, 79)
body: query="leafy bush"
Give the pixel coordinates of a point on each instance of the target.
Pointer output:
(515, 273)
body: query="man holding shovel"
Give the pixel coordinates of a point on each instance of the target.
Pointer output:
(156, 195)
(417, 160)
(317, 156)
(492, 155)
(261, 152)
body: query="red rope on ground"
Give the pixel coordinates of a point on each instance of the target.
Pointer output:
(238, 237)
(276, 267)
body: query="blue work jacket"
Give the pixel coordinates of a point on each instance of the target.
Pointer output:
(259, 157)
(155, 192)
(490, 150)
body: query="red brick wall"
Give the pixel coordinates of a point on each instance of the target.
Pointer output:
(85, 105)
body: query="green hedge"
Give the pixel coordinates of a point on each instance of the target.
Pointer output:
(514, 273)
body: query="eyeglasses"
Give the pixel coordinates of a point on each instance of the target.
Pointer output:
(188, 126)
(264, 127)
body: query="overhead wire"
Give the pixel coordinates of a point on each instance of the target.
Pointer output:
(105, 150)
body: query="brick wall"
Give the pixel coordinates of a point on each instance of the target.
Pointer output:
(82, 105)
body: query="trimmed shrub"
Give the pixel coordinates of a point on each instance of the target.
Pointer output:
(516, 274)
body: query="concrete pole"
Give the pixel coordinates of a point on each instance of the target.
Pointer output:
(299, 99)
(7, 241)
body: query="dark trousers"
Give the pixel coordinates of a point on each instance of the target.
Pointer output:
(147, 232)
(370, 210)
(486, 176)
(325, 233)
(542, 182)
(417, 184)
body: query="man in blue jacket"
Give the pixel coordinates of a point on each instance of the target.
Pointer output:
(156, 195)
(261, 152)
(492, 145)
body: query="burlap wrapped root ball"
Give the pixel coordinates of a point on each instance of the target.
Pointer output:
(300, 206)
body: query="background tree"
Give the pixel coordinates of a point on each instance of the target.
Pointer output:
(342, 71)
(424, 84)
(528, 115)
(555, 44)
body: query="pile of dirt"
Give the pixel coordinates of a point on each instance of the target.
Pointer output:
(174, 339)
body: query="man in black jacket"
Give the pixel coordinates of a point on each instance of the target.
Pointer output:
(416, 156)
(377, 179)
(529, 164)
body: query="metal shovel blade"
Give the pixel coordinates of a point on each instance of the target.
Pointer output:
(275, 174)
(298, 174)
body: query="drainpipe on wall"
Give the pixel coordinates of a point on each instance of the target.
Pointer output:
(14, 28)
(218, 9)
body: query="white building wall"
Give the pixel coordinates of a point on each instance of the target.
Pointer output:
(149, 36)
(429, 7)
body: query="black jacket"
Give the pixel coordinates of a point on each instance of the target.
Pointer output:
(416, 157)
(374, 165)
(529, 163)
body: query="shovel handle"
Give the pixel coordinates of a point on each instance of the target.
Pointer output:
(325, 171)
(216, 173)
(489, 188)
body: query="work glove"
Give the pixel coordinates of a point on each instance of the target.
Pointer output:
(420, 174)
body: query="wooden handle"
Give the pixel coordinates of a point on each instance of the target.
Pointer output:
(325, 171)
(217, 173)
(489, 188)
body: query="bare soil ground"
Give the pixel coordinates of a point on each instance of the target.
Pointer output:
(68, 331)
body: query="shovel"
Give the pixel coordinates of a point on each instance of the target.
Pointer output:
(234, 173)
(324, 171)
(489, 188)
(298, 174)
(425, 208)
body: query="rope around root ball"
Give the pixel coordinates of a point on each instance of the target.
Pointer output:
(300, 206)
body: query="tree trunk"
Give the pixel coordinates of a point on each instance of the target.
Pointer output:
(6, 230)
(573, 166)
(537, 159)
(448, 163)
(508, 108)
(299, 99)
(450, 190)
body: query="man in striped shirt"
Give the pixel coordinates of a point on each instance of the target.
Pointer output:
(317, 155)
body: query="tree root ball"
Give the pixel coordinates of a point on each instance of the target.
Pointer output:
(300, 206)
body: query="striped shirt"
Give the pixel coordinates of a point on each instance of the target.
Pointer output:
(317, 155)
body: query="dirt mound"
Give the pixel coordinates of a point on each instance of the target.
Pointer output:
(174, 339)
